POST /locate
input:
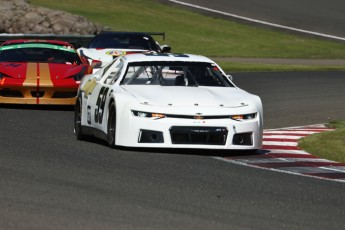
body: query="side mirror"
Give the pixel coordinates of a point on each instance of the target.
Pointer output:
(166, 49)
(96, 64)
(230, 77)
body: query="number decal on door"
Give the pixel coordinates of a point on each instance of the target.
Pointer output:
(100, 104)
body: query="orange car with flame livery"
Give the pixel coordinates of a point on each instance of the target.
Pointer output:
(40, 72)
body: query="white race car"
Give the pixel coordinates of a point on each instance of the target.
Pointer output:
(168, 101)
(106, 46)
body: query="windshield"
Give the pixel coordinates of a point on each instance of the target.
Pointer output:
(39, 53)
(175, 74)
(124, 41)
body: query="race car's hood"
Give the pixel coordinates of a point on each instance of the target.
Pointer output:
(51, 71)
(190, 96)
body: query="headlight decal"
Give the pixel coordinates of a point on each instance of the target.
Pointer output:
(241, 117)
(148, 115)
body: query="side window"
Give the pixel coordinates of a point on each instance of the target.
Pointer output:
(114, 73)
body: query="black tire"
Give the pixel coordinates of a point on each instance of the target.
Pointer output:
(77, 120)
(111, 130)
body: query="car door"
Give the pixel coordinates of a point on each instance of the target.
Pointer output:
(97, 109)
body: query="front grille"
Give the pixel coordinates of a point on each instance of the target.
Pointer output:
(10, 93)
(243, 139)
(198, 135)
(150, 136)
(37, 93)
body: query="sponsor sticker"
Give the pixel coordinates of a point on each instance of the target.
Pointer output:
(89, 87)
(115, 53)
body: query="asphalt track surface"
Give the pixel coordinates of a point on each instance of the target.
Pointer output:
(49, 180)
(297, 99)
(326, 17)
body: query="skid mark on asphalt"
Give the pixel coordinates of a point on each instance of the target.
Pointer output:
(280, 152)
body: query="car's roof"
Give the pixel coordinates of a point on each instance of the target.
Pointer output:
(33, 41)
(121, 32)
(143, 57)
(105, 40)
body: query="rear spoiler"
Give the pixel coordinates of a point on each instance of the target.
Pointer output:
(76, 40)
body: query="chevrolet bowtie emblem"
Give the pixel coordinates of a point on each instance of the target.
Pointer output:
(198, 117)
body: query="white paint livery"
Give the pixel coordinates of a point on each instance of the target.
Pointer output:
(134, 102)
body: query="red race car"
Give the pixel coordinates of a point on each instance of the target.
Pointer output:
(40, 72)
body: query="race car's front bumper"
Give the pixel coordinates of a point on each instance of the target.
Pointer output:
(43, 95)
(190, 133)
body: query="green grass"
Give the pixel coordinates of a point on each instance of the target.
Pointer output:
(191, 32)
(328, 145)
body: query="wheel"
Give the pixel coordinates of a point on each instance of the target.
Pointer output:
(77, 120)
(111, 125)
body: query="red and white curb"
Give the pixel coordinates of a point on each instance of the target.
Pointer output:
(280, 152)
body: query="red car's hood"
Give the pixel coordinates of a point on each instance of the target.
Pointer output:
(54, 71)
(40, 74)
